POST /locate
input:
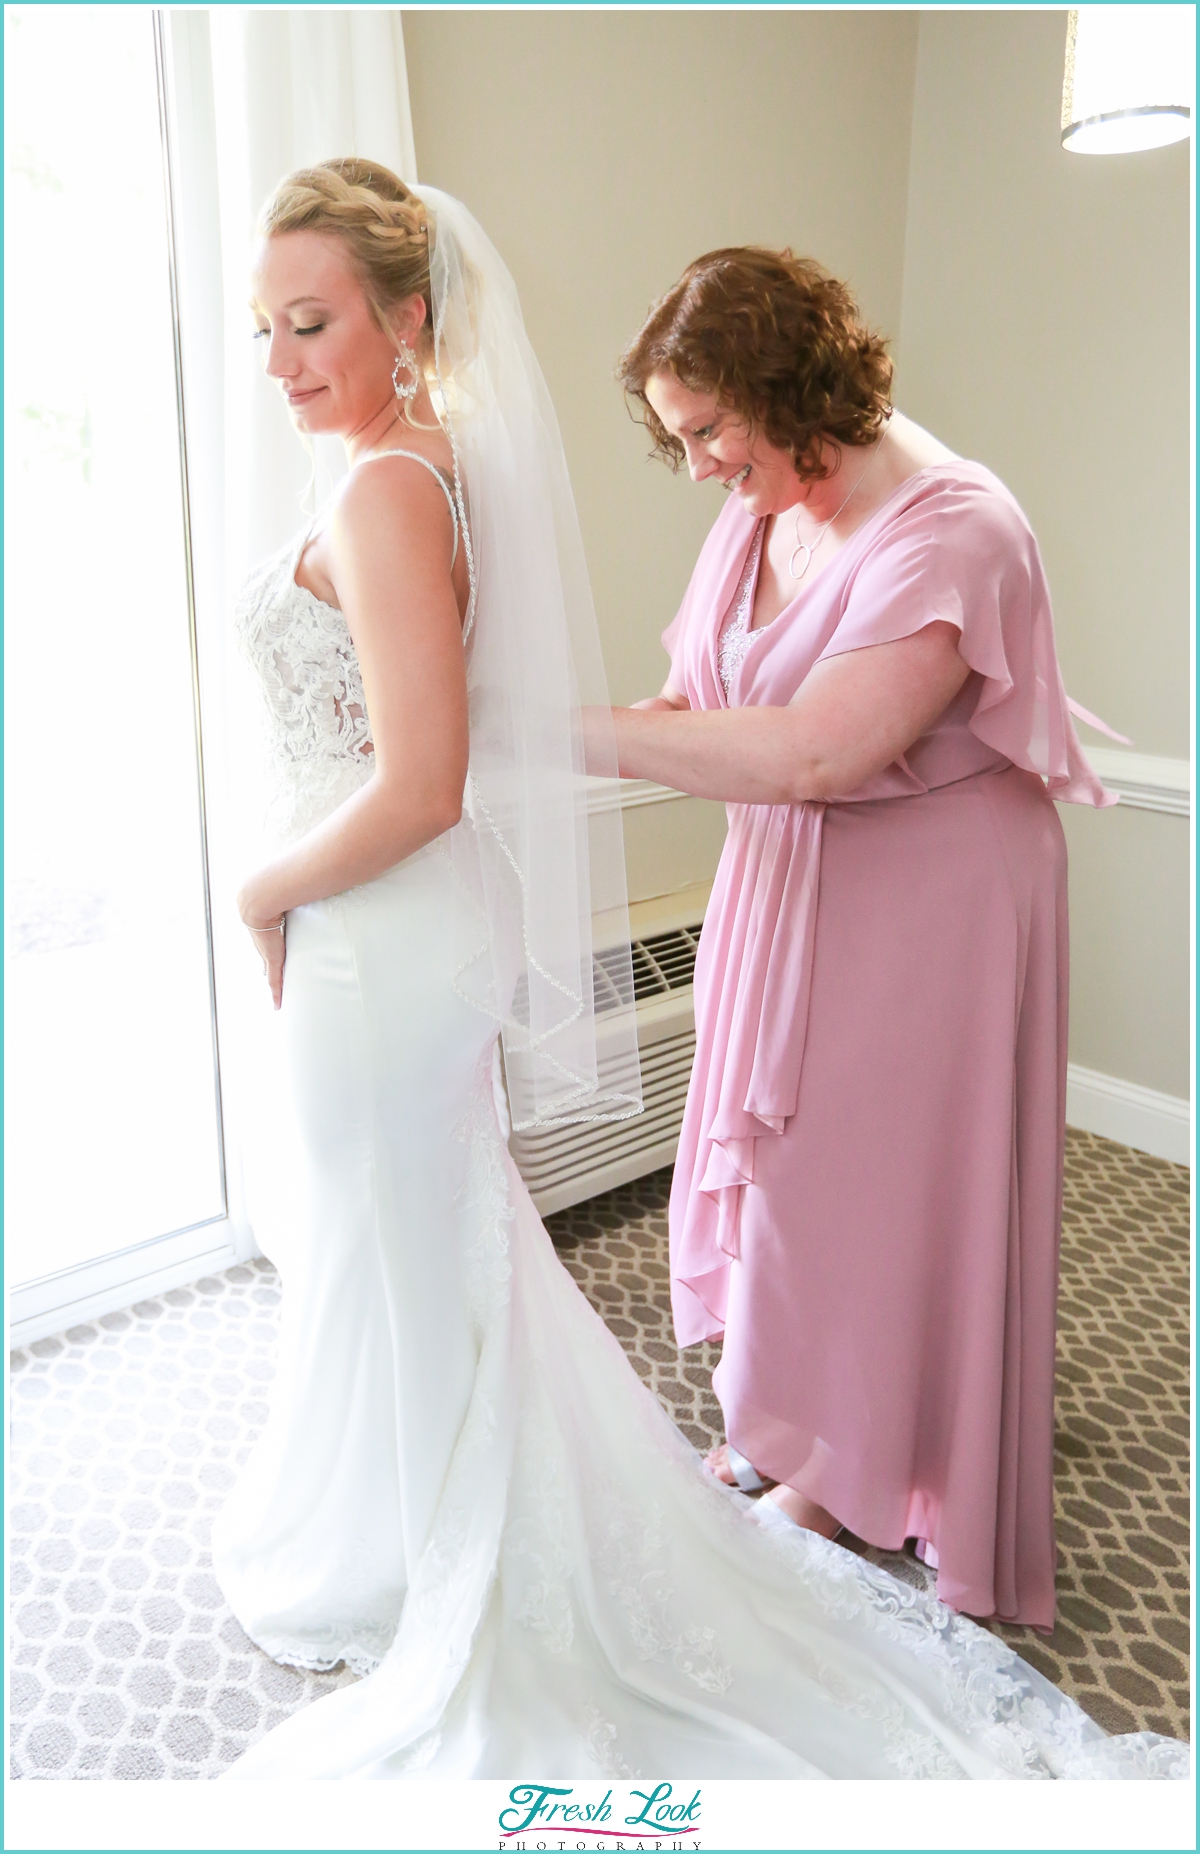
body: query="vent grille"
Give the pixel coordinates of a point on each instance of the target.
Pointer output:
(662, 962)
(564, 1165)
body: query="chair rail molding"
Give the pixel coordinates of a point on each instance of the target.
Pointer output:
(627, 794)
(1146, 781)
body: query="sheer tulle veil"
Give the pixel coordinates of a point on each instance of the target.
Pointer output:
(539, 855)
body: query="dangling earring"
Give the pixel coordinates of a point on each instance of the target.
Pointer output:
(407, 389)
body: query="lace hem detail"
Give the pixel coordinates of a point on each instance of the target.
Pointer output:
(354, 1655)
(1010, 1712)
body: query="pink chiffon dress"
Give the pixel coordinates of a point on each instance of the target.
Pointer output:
(867, 1194)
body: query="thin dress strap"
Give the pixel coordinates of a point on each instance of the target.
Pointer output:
(377, 457)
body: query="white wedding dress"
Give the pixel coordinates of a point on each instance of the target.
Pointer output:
(464, 1491)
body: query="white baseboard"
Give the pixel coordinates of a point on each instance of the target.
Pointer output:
(1160, 1124)
(42, 1308)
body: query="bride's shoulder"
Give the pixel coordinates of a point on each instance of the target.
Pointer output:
(393, 492)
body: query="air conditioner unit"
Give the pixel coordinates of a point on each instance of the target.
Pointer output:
(564, 1165)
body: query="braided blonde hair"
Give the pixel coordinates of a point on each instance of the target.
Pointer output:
(382, 224)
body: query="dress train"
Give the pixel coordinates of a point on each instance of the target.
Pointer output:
(573, 1595)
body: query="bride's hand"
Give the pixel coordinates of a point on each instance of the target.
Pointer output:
(271, 943)
(265, 924)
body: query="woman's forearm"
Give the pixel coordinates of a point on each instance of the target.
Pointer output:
(754, 756)
(852, 716)
(372, 832)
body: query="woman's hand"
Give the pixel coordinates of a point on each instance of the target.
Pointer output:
(596, 727)
(265, 924)
(596, 732)
(271, 944)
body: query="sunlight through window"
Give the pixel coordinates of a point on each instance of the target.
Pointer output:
(113, 1134)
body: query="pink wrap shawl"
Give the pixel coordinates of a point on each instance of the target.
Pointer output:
(950, 544)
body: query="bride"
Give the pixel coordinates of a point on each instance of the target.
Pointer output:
(463, 1490)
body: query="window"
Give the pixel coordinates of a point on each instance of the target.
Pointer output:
(114, 1130)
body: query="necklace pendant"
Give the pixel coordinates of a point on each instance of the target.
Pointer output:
(801, 547)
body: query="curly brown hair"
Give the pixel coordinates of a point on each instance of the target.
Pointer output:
(776, 338)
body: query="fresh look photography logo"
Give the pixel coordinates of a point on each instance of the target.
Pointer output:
(559, 1816)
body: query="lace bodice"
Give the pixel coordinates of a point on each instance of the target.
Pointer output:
(319, 744)
(736, 632)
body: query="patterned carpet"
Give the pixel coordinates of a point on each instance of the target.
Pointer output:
(1121, 1646)
(127, 1663)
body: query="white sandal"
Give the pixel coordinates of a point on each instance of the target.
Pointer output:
(770, 1513)
(744, 1472)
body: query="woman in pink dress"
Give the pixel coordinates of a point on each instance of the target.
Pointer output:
(867, 1194)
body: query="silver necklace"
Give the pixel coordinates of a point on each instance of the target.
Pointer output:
(809, 548)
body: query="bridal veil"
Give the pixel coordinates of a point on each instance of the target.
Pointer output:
(547, 947)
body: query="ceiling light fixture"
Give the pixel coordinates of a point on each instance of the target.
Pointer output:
(1129, 81)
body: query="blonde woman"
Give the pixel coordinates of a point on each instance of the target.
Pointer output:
(462, 1485)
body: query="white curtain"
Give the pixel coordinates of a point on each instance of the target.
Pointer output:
(271, 91)
(253, 93)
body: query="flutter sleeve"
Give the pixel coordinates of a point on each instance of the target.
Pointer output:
(962, 552)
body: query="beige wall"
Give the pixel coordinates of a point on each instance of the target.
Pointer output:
(602, 152)
(1039, 302)
(1130, 888)
(1045, 332)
